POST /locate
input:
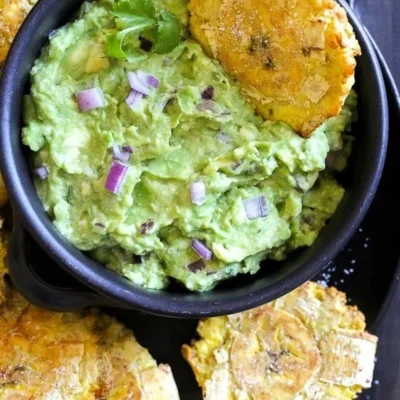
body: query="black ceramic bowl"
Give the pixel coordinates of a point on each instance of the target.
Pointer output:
(103, 287)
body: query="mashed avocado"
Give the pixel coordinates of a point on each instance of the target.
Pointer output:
(145, 231)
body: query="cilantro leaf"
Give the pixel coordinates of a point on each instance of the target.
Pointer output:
(138, 16)
(115, 42)
(126, 10)
(169, 33)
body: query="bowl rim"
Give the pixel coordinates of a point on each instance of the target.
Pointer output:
(115, 287)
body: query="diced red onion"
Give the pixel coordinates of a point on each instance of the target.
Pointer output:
(149, 79)
(90, 99)
(127, 149)
(153, 81)
(116, 151)
(116, 177)
(208, 94)
(136, 83)
(256, 207)
(143, 82)
(120, 155)
(41, 172)
(134, 99)
(123, 156)
(198, 193)
(223, 138)
(196, 266)
(202, 250)
(206, 105)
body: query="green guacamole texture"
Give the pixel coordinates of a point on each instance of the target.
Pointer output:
(145, 232)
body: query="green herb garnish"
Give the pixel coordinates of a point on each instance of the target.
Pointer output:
(139, 16)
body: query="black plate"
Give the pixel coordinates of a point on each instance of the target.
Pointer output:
(365, 270)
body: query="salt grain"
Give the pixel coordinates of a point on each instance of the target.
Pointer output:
(323, 284)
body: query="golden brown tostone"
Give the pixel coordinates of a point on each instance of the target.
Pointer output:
(295, 59)
(12, 14)
(307, 345)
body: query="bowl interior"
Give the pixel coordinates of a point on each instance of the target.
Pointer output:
(274, 279)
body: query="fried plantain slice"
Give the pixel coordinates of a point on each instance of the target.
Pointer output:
(12, 14)
(321, 309)
(3, 256)
(346, 354)
(82, 355)
(295, 59)
(273, 356)
(308, 345)
(267, 353)
(79, 356)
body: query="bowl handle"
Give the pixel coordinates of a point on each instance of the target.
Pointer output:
(35, 289)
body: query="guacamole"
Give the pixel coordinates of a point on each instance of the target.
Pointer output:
(205, 170)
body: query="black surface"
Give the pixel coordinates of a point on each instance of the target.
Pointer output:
(382, 18)
(360, 180)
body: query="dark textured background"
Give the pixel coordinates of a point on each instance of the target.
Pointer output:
(382, 18)
(370, 247)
